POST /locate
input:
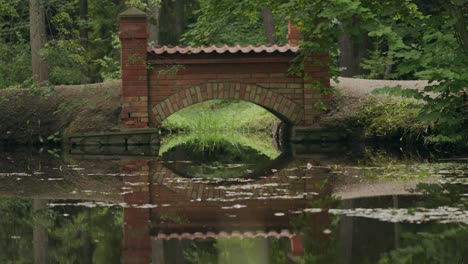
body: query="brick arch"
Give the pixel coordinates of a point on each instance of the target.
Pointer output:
(284, 108)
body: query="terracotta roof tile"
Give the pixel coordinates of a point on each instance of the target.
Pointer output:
(223, 49)
(212, 235)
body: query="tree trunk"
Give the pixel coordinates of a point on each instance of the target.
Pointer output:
(457, 13)
(346, 59)
(269, 25)
(153, 24)
(84, 22)
(388, 71)
(40, 70)
(352, 50)
(179, 17)
(40, 234)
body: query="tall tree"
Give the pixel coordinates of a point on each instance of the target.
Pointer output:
(153, 22)
(84, 22)
(269, 24)
(40, 70)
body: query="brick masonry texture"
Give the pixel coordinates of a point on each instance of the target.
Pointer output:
(156, 85)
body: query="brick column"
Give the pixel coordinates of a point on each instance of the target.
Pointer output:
(133, 39)
(136, 245)
(317, 71)
(294, 34)
(317, 74)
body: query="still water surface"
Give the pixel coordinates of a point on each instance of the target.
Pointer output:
(243, 202)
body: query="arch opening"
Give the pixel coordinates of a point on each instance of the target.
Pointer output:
(285, 109)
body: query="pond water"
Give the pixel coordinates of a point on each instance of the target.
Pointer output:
(231, 199)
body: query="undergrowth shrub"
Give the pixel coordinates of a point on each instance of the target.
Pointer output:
(393, 119)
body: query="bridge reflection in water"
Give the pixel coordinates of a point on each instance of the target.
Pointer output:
(161, 206)
(142, 209)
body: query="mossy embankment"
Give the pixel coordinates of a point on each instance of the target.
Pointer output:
(45, 115)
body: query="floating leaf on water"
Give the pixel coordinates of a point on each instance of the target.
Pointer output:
(236, 206)
(145, 206)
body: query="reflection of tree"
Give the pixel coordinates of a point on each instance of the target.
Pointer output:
(441, 244)
(434, 195)
(89, 236)
(16, 231)
(318, 230)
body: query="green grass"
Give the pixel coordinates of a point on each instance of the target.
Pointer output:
(221, 115)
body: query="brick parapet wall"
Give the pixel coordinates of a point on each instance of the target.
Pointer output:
(133, 38)
(136, 244)
(272, 78)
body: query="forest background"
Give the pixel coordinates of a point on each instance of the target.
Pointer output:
(52, 42)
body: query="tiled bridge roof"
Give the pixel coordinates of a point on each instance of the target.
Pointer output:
(223, 49)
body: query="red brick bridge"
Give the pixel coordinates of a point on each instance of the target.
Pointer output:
(158, 81)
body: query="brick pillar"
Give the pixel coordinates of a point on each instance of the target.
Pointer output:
(136, 244)
(297, 249)
(133, 39)
(317, 71)
(294, 34)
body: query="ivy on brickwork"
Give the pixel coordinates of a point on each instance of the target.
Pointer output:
(136, 58)
(170, 70)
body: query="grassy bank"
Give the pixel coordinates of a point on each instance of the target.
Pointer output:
(47, 115)
(221, 115)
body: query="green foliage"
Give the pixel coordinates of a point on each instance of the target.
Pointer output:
(110, 68)
(444, 244)
(15, 64)
(393, 119)
(15, 230)
(67, 64)
(71, 60)
(377, 64)
(43, 89)
(225, 22)
(100, 229)
(435, 53)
